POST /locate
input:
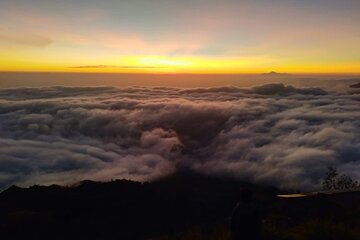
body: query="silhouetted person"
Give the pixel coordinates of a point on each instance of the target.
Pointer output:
(245, 219)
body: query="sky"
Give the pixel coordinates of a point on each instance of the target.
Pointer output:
(163, 36)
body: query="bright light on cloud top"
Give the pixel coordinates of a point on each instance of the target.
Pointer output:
(180, 36)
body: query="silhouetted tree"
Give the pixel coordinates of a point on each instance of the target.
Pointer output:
(334, 181)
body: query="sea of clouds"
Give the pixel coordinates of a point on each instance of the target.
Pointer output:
(270, 134)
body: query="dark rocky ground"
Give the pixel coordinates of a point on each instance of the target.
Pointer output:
(357, 85)
(181, 206)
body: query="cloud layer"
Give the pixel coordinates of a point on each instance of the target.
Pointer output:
(270, 134)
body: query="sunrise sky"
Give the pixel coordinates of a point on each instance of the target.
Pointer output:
(163, 36)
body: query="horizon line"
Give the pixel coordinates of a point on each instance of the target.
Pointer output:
(269, 73)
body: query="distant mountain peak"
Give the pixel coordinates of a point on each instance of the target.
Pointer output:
(273, 73)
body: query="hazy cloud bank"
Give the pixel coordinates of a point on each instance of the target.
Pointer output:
(272, 134)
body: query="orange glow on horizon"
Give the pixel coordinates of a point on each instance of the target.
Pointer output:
(181, 65)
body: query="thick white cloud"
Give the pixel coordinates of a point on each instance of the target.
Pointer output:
(271, 134)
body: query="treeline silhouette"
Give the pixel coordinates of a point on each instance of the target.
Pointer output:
(162, 209)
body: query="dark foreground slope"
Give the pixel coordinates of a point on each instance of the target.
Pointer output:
(356, 85)
(182, 206)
